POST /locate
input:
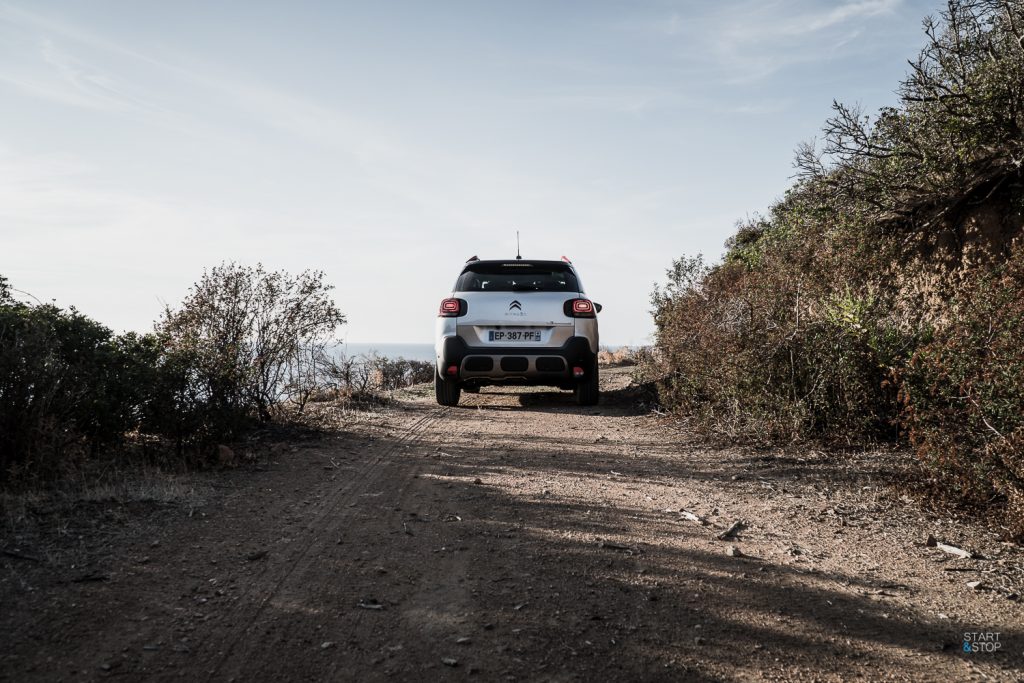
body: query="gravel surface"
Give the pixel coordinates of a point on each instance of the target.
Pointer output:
(515, 537)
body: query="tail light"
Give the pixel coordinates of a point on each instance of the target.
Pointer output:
(579, 308)
(452, 308)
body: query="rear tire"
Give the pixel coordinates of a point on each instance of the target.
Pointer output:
(447, 391)
(588, 391)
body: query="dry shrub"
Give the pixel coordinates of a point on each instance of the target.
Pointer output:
(769, 352)
(251, 339)
(355, 378)
(623, 356)
(963, 397)
(882, 297)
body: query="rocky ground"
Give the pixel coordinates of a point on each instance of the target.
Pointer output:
(510, 538)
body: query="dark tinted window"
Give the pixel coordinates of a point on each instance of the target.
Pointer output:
(517, 277)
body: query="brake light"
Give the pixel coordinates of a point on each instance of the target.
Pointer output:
(452, 308)
(579, 308)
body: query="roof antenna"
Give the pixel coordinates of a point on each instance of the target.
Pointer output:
(518, 254)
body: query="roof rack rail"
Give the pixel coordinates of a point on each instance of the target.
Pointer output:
(472, 258)
(566, 259)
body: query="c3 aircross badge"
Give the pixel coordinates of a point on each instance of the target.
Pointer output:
(515, 306)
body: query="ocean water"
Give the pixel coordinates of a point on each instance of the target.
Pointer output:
(388, 350)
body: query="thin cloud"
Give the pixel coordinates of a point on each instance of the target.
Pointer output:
(93, 86)
(847, 12)
(576, 132)
(751, 40)
(19, 17)
(461, 191)
(770, 40)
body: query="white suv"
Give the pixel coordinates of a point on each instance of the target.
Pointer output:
(517, 322)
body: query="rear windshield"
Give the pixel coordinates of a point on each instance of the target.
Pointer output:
(517, 277)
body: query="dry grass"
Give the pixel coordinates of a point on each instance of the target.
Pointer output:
(55, 525)
(623, 356)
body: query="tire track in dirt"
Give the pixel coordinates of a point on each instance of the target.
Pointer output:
(317, 530)
(519, 536)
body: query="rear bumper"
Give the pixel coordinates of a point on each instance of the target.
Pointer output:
(516, 364)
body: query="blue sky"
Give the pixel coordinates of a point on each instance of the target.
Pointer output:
(386, 142)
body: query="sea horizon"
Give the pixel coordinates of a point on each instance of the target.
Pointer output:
(408, 350)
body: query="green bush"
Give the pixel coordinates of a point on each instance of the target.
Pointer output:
(68, 386)
(244, 342)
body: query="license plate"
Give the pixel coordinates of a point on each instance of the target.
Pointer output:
(514, 335)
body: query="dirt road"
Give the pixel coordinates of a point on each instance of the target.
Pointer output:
(520, 539)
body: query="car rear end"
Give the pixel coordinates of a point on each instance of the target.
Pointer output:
(518, 322)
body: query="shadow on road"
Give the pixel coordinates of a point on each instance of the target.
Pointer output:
(622, 592)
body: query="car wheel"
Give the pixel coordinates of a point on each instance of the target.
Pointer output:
(447, 391)
(588, 391)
